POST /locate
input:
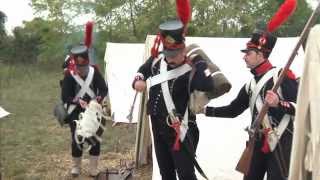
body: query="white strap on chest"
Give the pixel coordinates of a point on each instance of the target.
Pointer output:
(256, 100)
(276, 132)
(256, 87)
(85, 87)
(169, 102)
(168, 75)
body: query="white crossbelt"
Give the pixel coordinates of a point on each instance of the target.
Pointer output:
(168, 75)
(169, 102)
(276, 132)
(256, 87)
(85, 87)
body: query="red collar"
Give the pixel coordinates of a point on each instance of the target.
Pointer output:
(262, 68)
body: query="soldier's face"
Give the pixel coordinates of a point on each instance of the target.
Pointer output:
(253, 58)
(82, 66)
(83, 70)
(176, 60)
(81, 61)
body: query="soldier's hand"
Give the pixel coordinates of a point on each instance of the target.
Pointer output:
(83, 103)
(99, 99)
(140, 85)
(272, 99)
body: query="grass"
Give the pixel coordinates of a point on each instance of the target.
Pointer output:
(32, 144)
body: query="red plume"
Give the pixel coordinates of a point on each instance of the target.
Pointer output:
(184, 10)
(283, 13)
(88, 34)
(156, 45)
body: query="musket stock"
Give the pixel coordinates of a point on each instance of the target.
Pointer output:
(244, 163)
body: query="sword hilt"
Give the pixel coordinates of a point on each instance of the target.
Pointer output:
(129, 116)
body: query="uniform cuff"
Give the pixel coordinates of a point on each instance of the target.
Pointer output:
(287, 107)
(137, 77)
(209, 111)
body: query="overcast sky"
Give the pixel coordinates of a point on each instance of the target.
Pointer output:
(16, 11)
(19, 10)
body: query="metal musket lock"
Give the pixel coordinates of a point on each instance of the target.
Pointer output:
(250, 131)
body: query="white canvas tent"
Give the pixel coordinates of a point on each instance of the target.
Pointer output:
(122, 62)
(221, 140)
(305, 156)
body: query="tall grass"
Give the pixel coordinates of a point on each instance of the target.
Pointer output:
(32, 145)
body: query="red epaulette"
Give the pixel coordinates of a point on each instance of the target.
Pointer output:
(66, 72)
(291, 75)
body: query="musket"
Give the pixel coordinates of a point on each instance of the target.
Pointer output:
(244, 163)
(129, 117)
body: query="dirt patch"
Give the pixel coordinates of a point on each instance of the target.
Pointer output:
(61, 165)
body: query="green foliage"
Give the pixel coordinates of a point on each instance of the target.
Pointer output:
(25, 45)
(210, 18)
(33, 145)
(238, 18)
(130, 21)
(46, 39)
(38, 40)
(296, 23)
(3, 37)
(2, 28)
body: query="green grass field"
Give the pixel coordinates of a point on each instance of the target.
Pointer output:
(32, 144)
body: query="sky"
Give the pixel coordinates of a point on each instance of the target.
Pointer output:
(18, 11)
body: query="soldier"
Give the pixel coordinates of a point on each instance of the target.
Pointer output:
(169, 82)
(281, 111)
(77, 97)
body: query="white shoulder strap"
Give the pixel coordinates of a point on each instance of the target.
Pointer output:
(85, 87)
(165, 89)
(276, 133)
(256, 87)
(154, 62)
(168, 75)
(170, 104)
(248, 84)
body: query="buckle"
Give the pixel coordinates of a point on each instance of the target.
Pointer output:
(172, 118)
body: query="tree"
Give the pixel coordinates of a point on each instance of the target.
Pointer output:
(3, 37)
(238, 18)
(3, 18)
(25, 45)
(131, 21)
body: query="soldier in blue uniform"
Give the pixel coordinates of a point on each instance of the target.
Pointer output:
(77, 102)
(174, 126)
(281, 111)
